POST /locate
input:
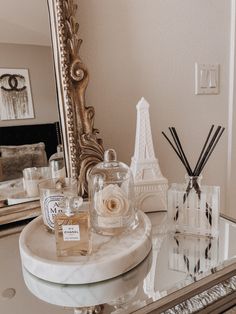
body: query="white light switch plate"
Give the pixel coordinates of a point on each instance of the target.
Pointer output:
(206, 79)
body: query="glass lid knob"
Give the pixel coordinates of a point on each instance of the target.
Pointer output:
(110, 155)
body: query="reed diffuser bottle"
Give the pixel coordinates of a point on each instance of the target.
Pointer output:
(72, 229)
(192, 207)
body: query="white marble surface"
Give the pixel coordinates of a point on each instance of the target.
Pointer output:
(89, 294)
(111, 256)
(160, 281)
(23, 302)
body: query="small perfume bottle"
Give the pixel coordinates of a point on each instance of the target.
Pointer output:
(72, 229)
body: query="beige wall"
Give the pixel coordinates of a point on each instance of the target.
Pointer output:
(136, 48)
(38, 59)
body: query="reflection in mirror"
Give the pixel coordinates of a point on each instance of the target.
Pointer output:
(25, 140)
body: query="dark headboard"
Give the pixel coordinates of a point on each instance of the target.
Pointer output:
(48, 133)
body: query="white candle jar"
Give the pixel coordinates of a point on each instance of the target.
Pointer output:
(52, 194)
(32, 178)
(111, 194)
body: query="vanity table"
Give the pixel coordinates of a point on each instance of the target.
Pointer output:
(180, 273)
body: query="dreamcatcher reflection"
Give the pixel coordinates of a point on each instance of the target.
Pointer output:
(16, 102)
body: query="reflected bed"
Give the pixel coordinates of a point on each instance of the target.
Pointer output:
(22, 147)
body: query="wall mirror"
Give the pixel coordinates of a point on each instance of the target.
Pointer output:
(25, 43)
(33, 36)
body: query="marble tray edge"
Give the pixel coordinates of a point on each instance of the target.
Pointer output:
(148, 229)
(120, 265)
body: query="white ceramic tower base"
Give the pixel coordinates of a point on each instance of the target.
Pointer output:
(111, 256)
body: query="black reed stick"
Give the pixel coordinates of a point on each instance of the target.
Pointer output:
(208, 148)
(212, 149)
(198, 170)
(204, 146)
(181, 149)
(180, 157)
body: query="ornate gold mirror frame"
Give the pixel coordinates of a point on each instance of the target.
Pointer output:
(82, 148)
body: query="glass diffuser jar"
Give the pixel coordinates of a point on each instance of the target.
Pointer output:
(111, 194)
(194, 208)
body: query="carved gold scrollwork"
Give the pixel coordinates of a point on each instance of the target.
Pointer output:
(76, 72)
(85, 149)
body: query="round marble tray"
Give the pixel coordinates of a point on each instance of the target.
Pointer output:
(123, 287)
(111, 256)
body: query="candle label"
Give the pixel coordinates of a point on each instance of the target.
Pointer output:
(71, 232)
(52, 208)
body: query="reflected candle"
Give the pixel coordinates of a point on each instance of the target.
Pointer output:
(32, 177)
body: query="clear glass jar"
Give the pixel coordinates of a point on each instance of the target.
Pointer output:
(111, 194)
(32, 177)
(57, 163)
(194, 208)
(52, 193)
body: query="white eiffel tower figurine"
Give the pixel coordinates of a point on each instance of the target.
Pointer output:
(149, 184)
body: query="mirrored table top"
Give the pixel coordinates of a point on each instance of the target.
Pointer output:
(174, 263)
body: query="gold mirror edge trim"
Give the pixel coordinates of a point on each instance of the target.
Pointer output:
(83, 149)
(193, 289)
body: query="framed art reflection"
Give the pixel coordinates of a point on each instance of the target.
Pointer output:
(15, 95)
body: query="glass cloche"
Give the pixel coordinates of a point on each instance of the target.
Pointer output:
(111, 194)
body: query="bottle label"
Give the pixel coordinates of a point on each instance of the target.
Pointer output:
(110, 222)
(71, 232)
(52, 208)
